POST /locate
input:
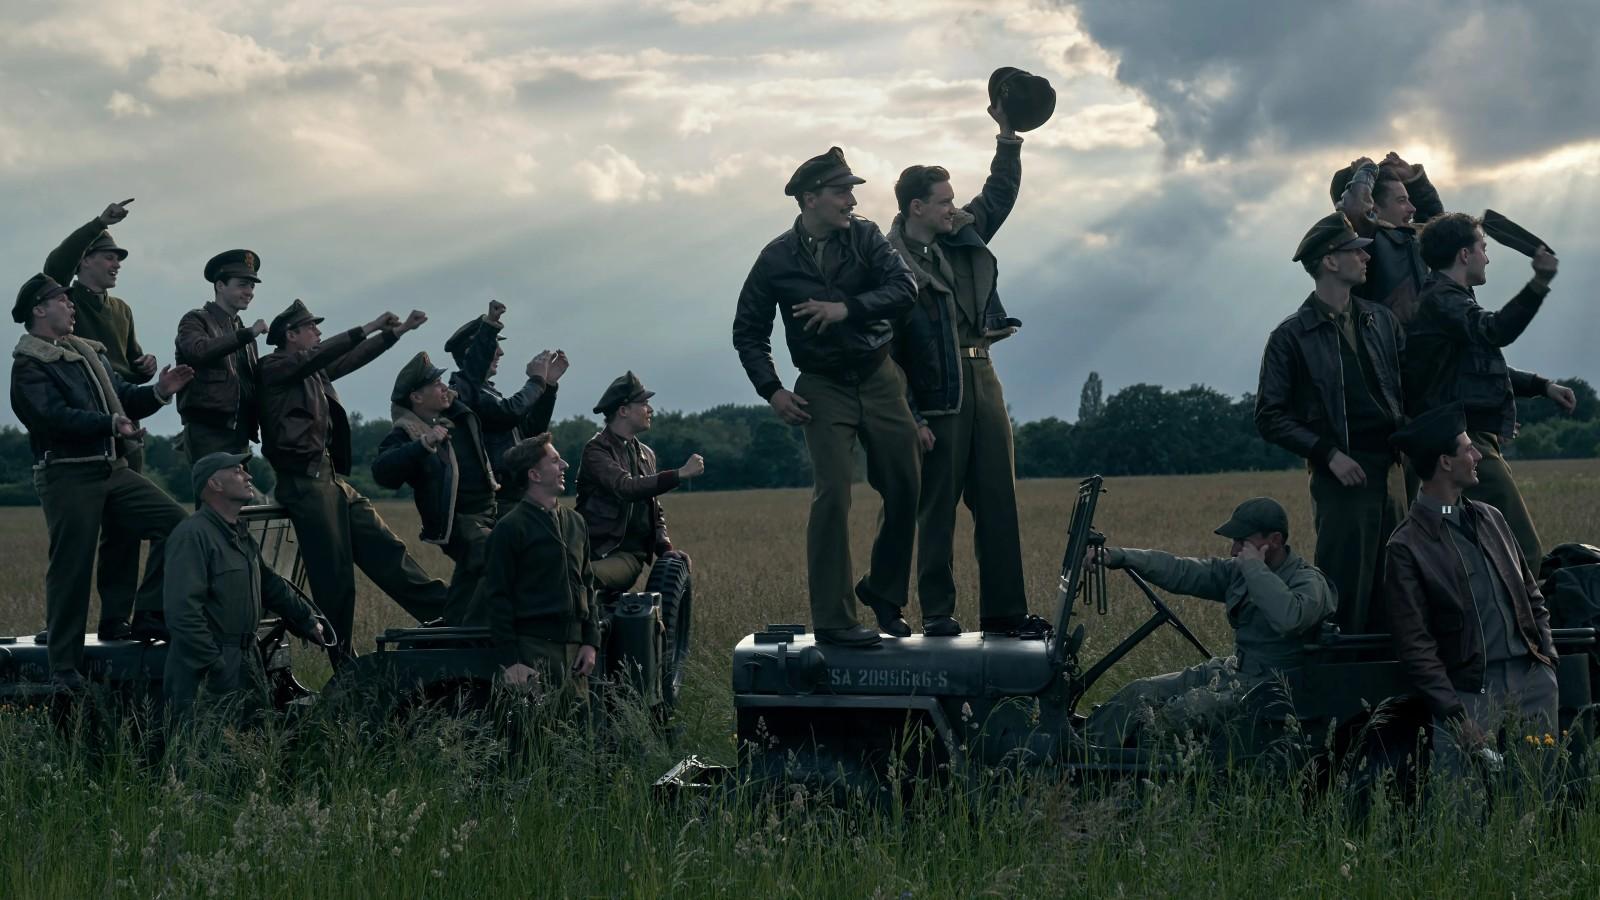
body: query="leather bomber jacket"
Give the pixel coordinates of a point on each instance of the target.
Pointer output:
(209, 339)
(434, 475)
(1300, 397)
(55, 395)
(607, 492)
(872, 281)
(301, 416)
(1454, 355)
(1432, 621)
(926, 341)
(503, 420)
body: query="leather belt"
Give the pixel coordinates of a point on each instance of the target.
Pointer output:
(975, 352)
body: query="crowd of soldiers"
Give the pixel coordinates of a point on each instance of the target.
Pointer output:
(1389, 360)
(1391, 382)
(484, 475)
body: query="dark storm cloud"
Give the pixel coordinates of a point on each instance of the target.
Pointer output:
(1498, 81)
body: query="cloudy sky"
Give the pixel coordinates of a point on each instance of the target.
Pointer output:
(610, 169)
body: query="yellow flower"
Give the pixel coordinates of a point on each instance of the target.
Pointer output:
(1531, 739)
(1549, 741)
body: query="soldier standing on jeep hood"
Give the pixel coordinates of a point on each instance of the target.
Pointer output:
(962, 421)
(839, 286)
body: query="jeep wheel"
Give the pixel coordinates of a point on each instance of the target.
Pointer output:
(670, 578)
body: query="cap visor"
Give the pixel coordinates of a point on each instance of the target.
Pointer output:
(1235, 531)
(1352, 244)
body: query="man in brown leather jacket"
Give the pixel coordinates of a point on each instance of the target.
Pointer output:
(1330, 392)
(305, 434)
(619, 488)
(220, 407)
(1467, 619)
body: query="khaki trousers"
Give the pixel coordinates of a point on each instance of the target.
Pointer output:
(468, 546)
(1353, 525)
(875, 413)
(82, 502)
(1498, 488)
(339, 530)
(972, 460)
(117, 571)
(618, 571)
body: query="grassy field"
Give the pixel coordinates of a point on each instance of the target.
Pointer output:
(441, 809)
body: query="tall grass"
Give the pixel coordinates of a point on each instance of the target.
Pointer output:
(331, 804)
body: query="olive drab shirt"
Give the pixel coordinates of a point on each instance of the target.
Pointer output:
(1272, 611)
(536, 583)
(215, 589)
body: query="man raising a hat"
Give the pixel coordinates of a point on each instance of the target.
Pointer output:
(219, 408)
(216, 589)
(1453, 355)
(79, 412)
(436, 447)
(505, 420)
(962, 421)
(1467, 619)
(1330, 392)
(92, 256)
(1274, 600)
(619, 488)
(838, 284)
(305, 434)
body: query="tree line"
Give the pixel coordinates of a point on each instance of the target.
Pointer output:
(1143, 429)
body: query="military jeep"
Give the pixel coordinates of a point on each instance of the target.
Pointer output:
(132, 670)
(840, 716)
(644, 645)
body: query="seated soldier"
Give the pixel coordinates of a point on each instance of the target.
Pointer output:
(1275, 602)
(618, 487)
(1470, 625)
(536, 595)
(216, 586)
(437, 448)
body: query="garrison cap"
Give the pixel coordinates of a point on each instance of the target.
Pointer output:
(209, 465)
(1432, 434)
(626, 389)
(233, 264)
(462, 338)
(1027, 99)
(293, 317)
(414, 376)
(819, 172)
(105, 242)
(1258, 514)
(1331, 233)
(34, 291)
